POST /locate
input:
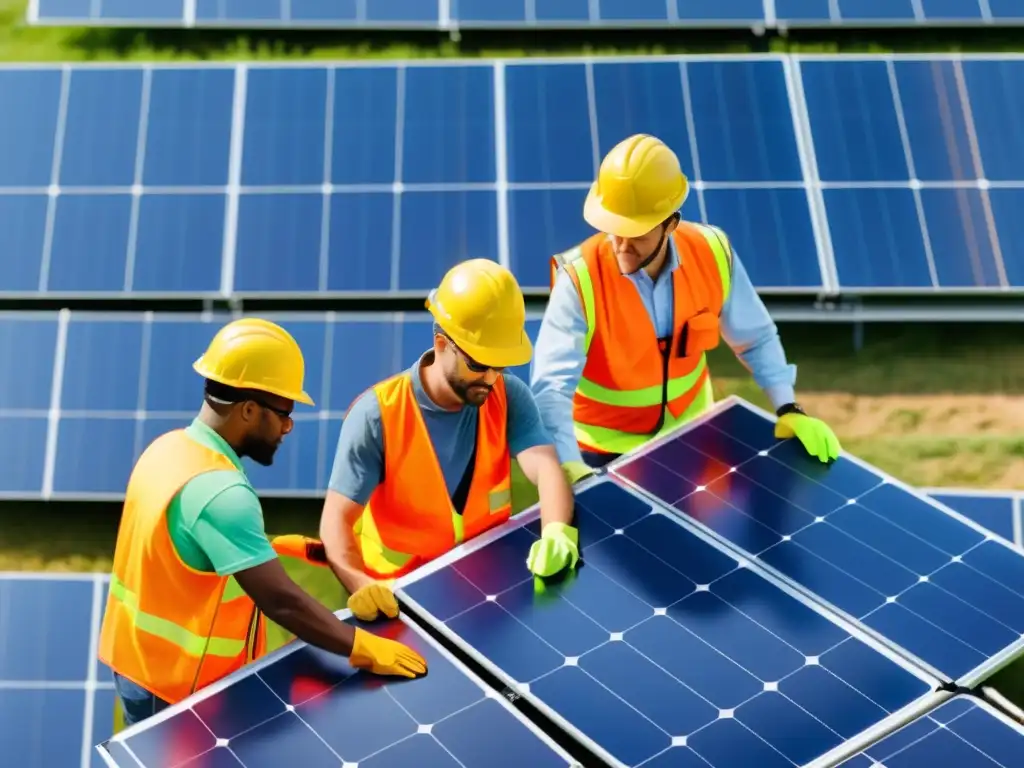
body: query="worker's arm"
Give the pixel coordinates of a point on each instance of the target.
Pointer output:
(530, 443)
(558, 546)
(358, 469)
(751, 333)
(230, 531)
(558, 361)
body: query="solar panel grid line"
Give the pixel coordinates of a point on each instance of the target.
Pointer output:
(396, 200)
(991, 664)
(501, 164)
(831, 758)
(56, 392)
(51, 203)
(123, 739)
(140, 155)
(325, 205)
(812, 180)
(90, 680)
(230, 246)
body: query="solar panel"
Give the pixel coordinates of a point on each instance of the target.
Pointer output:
(662, 646)
(374, 179)
(961, 731)
(919, 170)
(998, 511)
(925, 579)
(557, 14)
(55, 700)
(87, 391)
(308, 707)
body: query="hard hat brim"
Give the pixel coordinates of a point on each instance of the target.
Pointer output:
(506, 357)
(603, 220)
(298, 397)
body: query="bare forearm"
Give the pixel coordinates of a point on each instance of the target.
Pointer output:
(311, 622)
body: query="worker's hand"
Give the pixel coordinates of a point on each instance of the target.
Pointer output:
(557, 548)
(373, 599)
(576, 471)
(815, 435)
(385, 657)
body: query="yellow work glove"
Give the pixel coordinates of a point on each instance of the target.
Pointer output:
(557, 548)
(373, 599)
(385, 657)
(576, 471)
(815, 435)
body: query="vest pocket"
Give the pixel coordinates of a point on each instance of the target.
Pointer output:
(702, 333)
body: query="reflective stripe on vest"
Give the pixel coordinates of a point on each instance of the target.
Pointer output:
(409, 519)
(616, 419)
(167, 627)
(189, 642)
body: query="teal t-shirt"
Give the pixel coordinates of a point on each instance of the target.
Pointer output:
(216, 520)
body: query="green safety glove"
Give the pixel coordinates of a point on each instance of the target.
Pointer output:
(558, 547)
(815, 435)
(576, 471)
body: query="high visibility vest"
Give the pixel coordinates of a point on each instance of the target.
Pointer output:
(167, 627)
(409, 518)
(635, 386)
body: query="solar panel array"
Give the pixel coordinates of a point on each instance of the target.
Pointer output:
(1001, 512)
(737, 603)
(524, 14)
(853, 175)
(86, 392)
(56, 701)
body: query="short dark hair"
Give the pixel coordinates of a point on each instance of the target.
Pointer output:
(224, 393)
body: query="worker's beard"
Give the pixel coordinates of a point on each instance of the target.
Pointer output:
(473, 393)
(259, 450)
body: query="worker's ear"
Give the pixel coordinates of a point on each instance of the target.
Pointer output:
(249, 411)
(672, 223)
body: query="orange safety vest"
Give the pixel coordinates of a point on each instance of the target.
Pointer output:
(634, 385)
(167, 627)
(409, 519)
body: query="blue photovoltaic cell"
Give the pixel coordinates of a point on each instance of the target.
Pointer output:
(126, 380)
(993, 511)
(941, 121)
(959, 732)
(916, 575)
(660, 647)
(51, 686)
(336, 715)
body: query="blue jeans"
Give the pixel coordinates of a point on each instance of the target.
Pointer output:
(136, 701)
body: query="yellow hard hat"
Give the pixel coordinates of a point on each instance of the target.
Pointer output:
(639, 185)
(480, 306)
(252, 353)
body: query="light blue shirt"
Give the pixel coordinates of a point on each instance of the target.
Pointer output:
(558, 356)
(359, 459)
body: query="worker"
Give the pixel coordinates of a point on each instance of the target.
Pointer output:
(621, 352)
(424, 458)
(194, 573)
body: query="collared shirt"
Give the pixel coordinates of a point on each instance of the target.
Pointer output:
(359, 458)
(558, 356)
(216, 520)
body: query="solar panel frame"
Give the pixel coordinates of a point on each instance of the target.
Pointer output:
(869, 736)
(95, 685)
(994, 662)
(941, 719)
(295, 646)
